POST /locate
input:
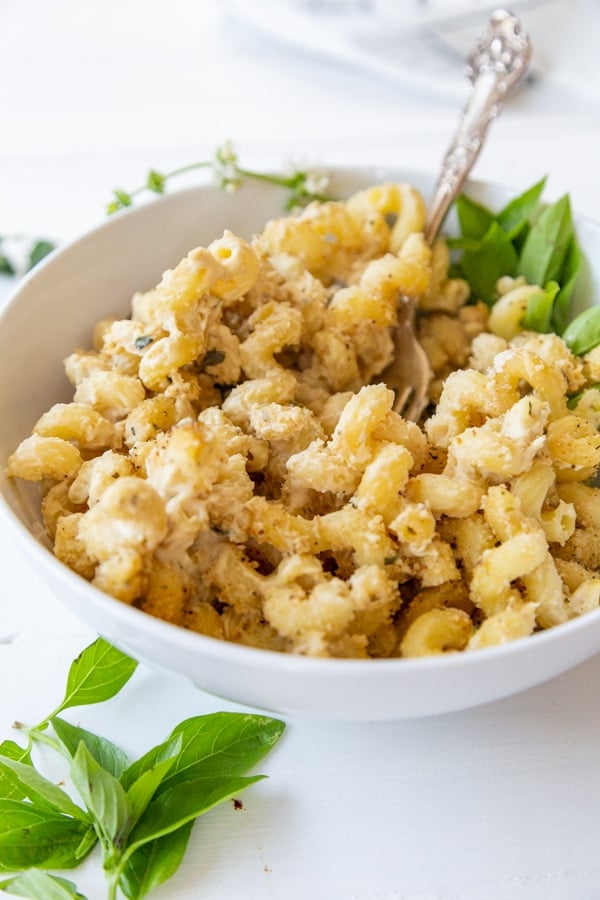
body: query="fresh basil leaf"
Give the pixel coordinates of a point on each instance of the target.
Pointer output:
(39, 885)
(161, 752)
(184, 802)
(474, 218)
(30, 836)
(583, 333)
(6, 267)
(98, 673)
(107, 754)
(143, 788)
(568, 277)
(547, 244)
(221, 743)
(12, 750)
(462, 243)
(102, 794)
(89, 841)
(39, 250)
(538, 315)
(45, 794)
(154, 862)
(8, 787)
(519, 212)
(494, 258)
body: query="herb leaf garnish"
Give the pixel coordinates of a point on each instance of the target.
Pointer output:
(31, 835)
(9, 789)
(524, 239)
(154, 862)
(39, 790)
(540, 307)
(494, 257)
(96, 675)
(583, 333)
(107, 754)
(517, 215)
(140, 813)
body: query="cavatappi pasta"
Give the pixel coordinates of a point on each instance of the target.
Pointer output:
(230, 462)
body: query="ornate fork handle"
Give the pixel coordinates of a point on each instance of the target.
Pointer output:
(496, 64)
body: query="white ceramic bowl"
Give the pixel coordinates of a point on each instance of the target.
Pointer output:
(52, 313)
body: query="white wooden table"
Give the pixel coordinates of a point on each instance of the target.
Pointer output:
(497, 803)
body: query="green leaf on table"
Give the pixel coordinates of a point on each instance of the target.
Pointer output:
(154, 862)
(184, 802)
(538, 315)
(144, 787)
(158, 754)
(547, 245)
(98, 673)
(198, 766)
(102, 794)
(39, 250)
(494, 257)
(31, 836)
(12, 750)
(221, 743)
(43, 793)
(41, 886)
(107, 754)
(583, 333)
(89, 840)
(6, 267)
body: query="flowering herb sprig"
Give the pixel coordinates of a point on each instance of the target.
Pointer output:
(138, 814)
(304, 185)
(19, 254)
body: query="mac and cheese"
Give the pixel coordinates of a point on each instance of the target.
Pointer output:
(232, 463)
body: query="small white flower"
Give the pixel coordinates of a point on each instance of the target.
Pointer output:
(316, 182)
(226, 153)
(231, 186)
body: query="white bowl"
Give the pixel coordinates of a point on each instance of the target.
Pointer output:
(52, 313)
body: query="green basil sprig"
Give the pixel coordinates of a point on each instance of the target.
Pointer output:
(140, 813)
(303, 185)
(525, 239)
(35, 883)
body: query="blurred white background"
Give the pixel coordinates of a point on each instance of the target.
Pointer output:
(92, 95)
(498, 803)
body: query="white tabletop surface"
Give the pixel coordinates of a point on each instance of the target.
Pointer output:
(496, 803)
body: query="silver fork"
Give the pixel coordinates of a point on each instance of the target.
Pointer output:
(497, 62)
